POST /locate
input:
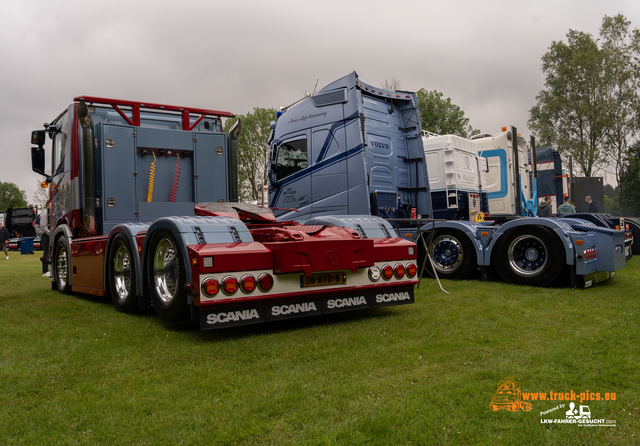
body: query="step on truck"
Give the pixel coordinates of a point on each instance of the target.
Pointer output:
(144, 209)
(357, 149)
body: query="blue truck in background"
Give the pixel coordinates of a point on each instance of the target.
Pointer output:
(357, 149)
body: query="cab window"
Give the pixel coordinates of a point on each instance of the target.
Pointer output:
(60, 145)
(291, 157)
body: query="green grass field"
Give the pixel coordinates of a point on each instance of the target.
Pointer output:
(73, 371)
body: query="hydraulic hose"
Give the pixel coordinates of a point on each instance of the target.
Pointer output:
(152, 177)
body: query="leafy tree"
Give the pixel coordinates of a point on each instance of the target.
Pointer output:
(253, 151)
(11, 196)
(631, 179)
(611, 200)
(40, 196)
(568, 113)
(589, 108)
(621, 49)
(441, 116)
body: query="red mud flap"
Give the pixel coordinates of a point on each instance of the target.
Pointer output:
(273, 311)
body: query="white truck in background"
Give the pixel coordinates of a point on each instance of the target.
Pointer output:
(457, 177)
(509, 190)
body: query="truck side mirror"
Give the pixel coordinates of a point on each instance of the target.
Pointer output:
(38, 137)
(37, 159)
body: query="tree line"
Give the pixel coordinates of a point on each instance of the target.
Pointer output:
(590, 106)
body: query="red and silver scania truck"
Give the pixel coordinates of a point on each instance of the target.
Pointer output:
(144, 209)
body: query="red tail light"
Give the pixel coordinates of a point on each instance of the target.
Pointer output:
(265, 282)
(229, 285)
(387, 272)
(412, 270)
(210, 286)
(248, 283)
(399, 271)
(590, 253)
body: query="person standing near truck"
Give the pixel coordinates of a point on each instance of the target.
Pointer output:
(544, 210)
(4, 237)
(43, 231)
(566, 207)
(593, 206)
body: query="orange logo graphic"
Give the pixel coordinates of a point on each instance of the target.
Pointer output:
(508, 396)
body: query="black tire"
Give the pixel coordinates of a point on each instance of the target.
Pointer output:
(452, 252)
(166, 274)
(61, 265)
(529, 256)
(122, 275)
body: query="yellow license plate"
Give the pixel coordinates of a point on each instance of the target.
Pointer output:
(322, 279)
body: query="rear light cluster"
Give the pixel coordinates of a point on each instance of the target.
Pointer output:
(590, 253)
(387, 272)
(230, 284)
(628, 235)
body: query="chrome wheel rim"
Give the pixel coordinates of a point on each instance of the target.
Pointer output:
(447, 253)
(165, 270)
(62, 266)
(122, 273)
(527, 254)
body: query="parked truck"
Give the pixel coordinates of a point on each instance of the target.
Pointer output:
(510, 191)
(20, 224)
(144, 209)
(357, 149)
(457, 177)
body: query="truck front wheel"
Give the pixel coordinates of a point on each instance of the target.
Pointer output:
(452, 253)
(122, 275)
(529, 256)
(167, 277)
(62, 265)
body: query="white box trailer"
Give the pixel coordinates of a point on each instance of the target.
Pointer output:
(457, 176)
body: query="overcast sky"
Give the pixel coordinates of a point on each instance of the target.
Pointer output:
(237, 55)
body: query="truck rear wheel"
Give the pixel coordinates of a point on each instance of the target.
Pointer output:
(167, 277)
(122, 275)
(62, 265)
(529, 256)
(452, 253)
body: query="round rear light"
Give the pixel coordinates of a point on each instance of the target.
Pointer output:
(229, 285)
(210, 286)
(412, 270)
(248, 283)
(387, 272)
(265, 282)
(398, 271)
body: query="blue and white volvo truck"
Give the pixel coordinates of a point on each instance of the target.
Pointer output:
(357, 149)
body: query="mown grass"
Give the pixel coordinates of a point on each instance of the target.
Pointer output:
(73, 371)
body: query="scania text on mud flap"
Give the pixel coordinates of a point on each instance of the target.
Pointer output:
(144, 209)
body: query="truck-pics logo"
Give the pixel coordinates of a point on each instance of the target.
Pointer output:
(576, 415)
(508, 396)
